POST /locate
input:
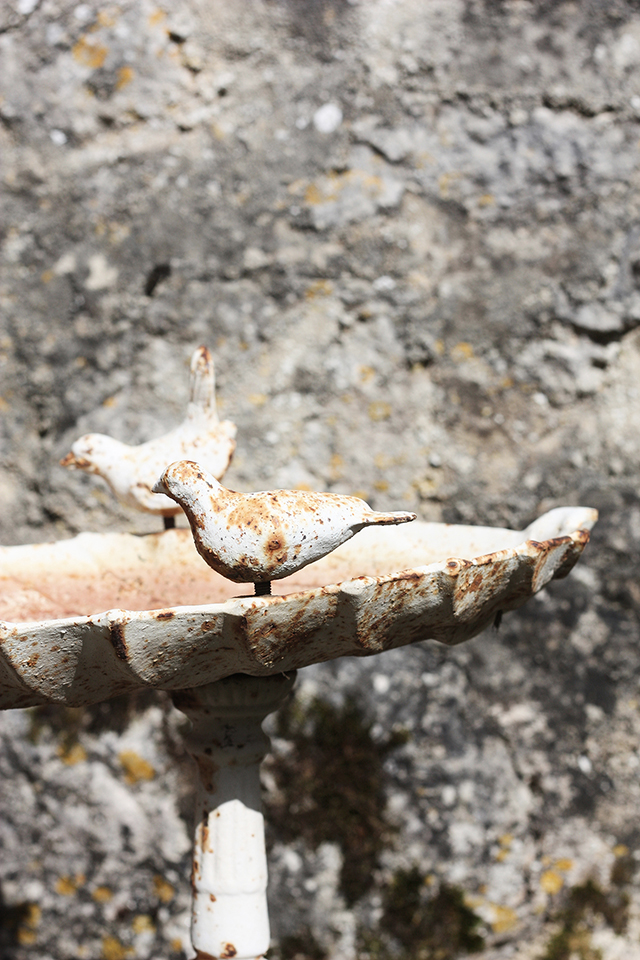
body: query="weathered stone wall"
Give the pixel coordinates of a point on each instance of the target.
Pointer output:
(410, 232)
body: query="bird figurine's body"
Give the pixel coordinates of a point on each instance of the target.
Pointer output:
(259, 537)
(131, 471)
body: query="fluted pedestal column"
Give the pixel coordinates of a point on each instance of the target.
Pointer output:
(229, 877)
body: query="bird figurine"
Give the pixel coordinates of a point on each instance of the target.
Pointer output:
(259, 537)
(131, 471)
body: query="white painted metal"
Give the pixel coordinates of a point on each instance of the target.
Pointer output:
(229, 878)
(131, 471)
(255, 537)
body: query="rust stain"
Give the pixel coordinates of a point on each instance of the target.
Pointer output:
(212, 897)
(80, 463)
(455, 565)
(228, 951)
(275, 542)
(476, 584)
(118, 642)
(33, 659)
(205, 839)
(165, 615)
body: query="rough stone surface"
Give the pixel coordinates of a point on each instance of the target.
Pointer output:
(409, 231)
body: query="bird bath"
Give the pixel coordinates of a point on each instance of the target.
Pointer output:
(232, 660)
(89, 618)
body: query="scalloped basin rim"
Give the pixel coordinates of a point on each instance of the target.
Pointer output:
(77, 660)
(238, 605)
(132, 573)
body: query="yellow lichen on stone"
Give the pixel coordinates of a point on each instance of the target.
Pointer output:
(33, 915)
(163, 889)
(89, 53)
(102, 894)
(563, 864)
(445, 180)
(66, 886)
(72, 754)
(620, 850)
(461, 351)
(504, 919)
(136, 767)
(143, 923)
(319, 288)
(106, 18)
(313, 195)
(551, 882)
(26, 933)
(26, 937)
(112, 949)
(336, 466)
(379, 410)
(125, 76)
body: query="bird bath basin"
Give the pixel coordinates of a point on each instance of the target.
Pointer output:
(231, 659)
(388, 587)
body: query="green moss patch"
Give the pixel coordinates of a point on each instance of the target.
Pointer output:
(302, 946)
(331, 787)
(440, 927)
(586, 904)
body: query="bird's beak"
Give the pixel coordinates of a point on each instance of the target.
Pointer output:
(76, 463)
(159, 486)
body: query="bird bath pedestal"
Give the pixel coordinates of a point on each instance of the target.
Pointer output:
(229, 878)
(231, 660)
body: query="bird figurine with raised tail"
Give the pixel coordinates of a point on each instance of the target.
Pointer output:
(131, 471)
(259, 537)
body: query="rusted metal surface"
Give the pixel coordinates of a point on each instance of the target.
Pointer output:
(131, 472)
(52, 655)
(255, 537)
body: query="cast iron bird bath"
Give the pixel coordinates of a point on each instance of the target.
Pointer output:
(231, 660)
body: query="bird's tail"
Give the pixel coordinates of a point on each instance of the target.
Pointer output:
(396, 516)
(203, 384)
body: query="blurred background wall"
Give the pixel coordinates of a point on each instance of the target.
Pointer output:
(410, 232)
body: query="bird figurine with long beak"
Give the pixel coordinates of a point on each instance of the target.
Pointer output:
(131, 471)
(259, 537)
